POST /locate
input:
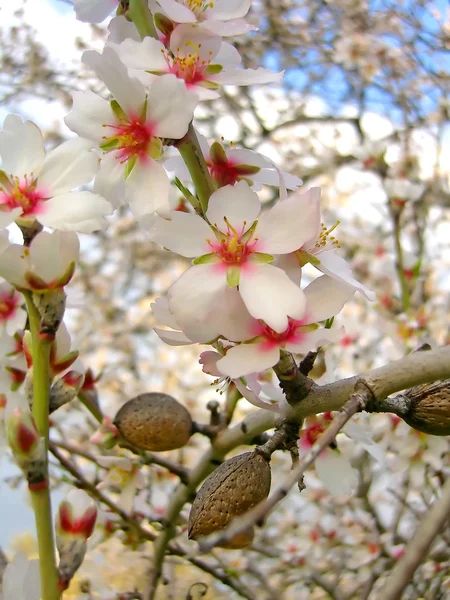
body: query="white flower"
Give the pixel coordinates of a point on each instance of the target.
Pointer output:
(12, 315)
(325, 297)
(94, 11)
(128, 130)
(234, 251)
(222, 17)
(321, 251)
(401, 190)
(196, 57)
(48, 263)
(21, 580)
(124, 474)
(227, 167)
(38, 186)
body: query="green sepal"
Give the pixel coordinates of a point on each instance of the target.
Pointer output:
(163, 23)
(129, 166)
(305, 258)
(205, 259)
(193, 201)
(218, 154)
(118, 111)
(329, 323)
(210, 85)
(4, 180)
(233, 276)
(246, 169)
(261, 258)
(156, 148)
(111, 144)
(249, 233)
(213, 69)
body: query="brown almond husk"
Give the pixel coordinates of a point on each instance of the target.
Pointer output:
(430, 408)
(231, 490)
(154, 421)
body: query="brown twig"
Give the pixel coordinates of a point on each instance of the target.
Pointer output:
(417, 549)
(357, 402)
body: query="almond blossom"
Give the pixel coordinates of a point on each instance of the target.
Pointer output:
(222, 17)
(21, 580)
(321, 250)
(234, 251)
(197, 57)
(129, 129)
(228, 166)
(34, 185)
(325, 297)
(12, 315)
(48, 263)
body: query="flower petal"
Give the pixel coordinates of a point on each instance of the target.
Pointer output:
(270, 295)
(69, 165)
(247, 76)
(162, 314)
(21, 147)
(94, 11)
(76, 211)
(88, 116)
(177, 12)
(313, 339)
(288, 224)
(325, 298)
(110, 180)
(147, 189)
(337, 267)
(52, 253)
(129, 93)
(172, 338)
(244, 359)
(185, 234)
(170, 107)
(145, 55)
(237, 204)
(192, 301)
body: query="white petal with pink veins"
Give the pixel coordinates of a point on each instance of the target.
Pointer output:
(21, 147)
(170, 107)
(185, 234)
(69, 165)
(325, 298)
(193, 301)
(147, 189)
(286, 226)
(145, 55)
(336, 473)
(337, 267)
(129, 92)
(177, 12)
(270, 295)
(76, 211)
(244, 359)
(89, 115)
(237, 204)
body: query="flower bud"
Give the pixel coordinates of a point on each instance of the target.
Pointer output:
(106, 435)
(71, 556)
(23, 435)
(65, 389)
(76, 516)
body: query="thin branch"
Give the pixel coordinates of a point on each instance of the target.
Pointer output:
(417, 549)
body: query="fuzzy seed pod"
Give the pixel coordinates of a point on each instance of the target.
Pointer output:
(154, 421)
(429, 409)
(231, 490)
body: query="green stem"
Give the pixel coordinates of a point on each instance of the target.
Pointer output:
(192, 155)
(141, 16)
(41, 497)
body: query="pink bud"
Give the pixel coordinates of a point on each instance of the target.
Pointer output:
(106, 435)
(76, 515)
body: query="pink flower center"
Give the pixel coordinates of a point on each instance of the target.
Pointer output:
(228, 173)
(21, 194)
(191, 68)
(8, 305)
(132, 138)
(233, 249)
(292, 334)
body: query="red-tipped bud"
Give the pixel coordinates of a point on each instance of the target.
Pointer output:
(65, 389)
(76, 516)
(23, 435)
(164, 24)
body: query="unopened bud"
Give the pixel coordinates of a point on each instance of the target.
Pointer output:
(51, 306)
(65, 389)
(71, 556)
(106, 435)
(23, 435)
(76, 516)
